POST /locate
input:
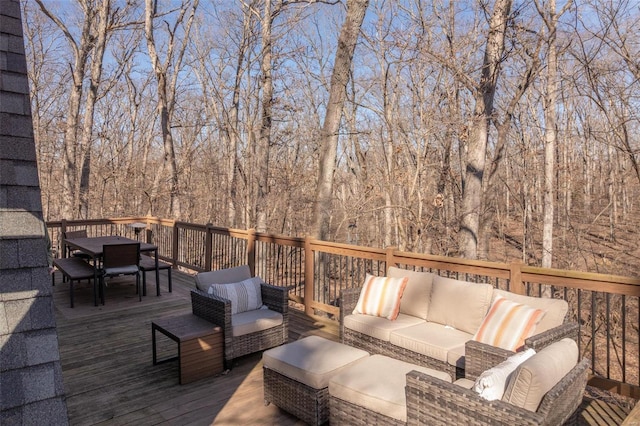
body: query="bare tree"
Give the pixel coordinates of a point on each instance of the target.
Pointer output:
(477, 146)
(347, 40)
(167, 73)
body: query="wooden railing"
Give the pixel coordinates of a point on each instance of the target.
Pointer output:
(604, 306)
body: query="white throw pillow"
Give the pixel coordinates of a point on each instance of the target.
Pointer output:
(244, 296)
(492, 383)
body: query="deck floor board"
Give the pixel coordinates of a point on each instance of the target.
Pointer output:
(109, 378)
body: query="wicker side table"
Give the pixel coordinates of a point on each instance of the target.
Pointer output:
(200, 345)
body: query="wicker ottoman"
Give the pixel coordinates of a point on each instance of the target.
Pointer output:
(296, 375)
(373, 391)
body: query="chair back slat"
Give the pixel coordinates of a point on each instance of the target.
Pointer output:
(117, 255)
(82, 233)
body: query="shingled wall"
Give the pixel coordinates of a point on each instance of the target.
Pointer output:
(31, 388)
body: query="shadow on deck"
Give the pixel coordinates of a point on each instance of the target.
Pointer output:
(109, 378)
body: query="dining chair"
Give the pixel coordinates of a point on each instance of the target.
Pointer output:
(120, 259)
(82, 233)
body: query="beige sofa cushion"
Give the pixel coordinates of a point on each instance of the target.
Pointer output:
(256, 320)
(377, 383)
(430, 339)
(222, 276)
(459, 304)
(312, 360)
(415, 300)
(378, 327)
(555, 309)
(536, 376)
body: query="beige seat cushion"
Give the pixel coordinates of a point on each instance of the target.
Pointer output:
(256, 320)
(312, 360)
(222, 276)
(555, 309)
(456, 356)
(536, 376)
(377, 327)
(430, 339)
(459, 304)
(377, 383)
(415, 300)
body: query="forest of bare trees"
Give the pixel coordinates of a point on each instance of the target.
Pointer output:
(502, 130)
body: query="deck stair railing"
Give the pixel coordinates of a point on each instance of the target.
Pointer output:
(604, 306)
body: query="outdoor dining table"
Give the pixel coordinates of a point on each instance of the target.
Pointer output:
(93, 247)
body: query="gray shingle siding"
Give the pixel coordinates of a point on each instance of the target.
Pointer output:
(31, 390)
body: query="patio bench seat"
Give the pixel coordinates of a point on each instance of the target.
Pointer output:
(73, 269)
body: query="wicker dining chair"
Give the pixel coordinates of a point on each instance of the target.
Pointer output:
(120, 259)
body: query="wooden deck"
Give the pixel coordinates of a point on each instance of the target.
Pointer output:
(109, 378)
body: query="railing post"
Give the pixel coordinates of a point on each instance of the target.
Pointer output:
(208, 247)
(251, 251)
(309, 274)
(391, 256)
(515, 280)
(174, 245)
(63, 229)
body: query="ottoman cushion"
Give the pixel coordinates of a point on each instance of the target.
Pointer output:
(312, 360)
(377, 384)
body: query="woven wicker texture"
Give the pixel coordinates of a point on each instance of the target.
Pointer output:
(308, 404)
(345, 413)
(218, 311)
(435, 402)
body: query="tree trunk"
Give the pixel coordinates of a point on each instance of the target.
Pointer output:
(264, 140)
(72, 160)
(472, 196)
(87, 126)
(166, 96)
(356, 10)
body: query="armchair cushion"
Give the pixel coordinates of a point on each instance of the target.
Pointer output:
(222, 276)
(492, 383)
(244, 296)
(459, 304)
(380, 296)
(508, 324)
(255, 320)
(537, 375)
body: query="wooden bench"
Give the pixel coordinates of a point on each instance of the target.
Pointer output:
(74, 269)
(200, 345)
(149, 264)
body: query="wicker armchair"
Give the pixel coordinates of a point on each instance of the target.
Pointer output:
(218, 311)
(435, 402)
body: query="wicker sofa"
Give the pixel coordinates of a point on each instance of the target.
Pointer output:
(250, 331)
(437, 317)
(546, 389)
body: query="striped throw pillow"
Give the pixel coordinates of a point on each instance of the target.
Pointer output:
(508, 324)
(244, 296)
(380, 296)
